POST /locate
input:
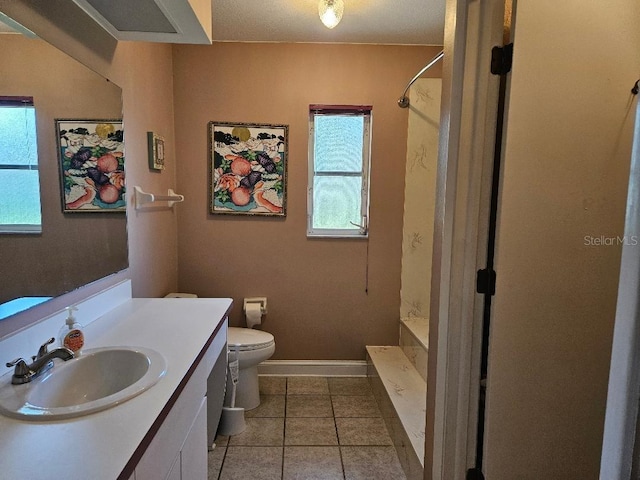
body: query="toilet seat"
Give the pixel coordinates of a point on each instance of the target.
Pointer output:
(247, 339)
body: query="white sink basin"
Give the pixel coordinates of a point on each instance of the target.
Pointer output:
(99, 379)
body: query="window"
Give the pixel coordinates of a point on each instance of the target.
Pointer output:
(339, 153)
(19, 178)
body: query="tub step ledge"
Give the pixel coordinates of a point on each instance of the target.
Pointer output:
(401, 393)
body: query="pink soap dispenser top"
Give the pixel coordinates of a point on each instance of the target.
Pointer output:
(71, 334)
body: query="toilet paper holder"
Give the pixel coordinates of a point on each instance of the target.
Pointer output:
(260, 300)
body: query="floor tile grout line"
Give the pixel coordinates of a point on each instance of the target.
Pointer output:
(335, 423)
(224, 456)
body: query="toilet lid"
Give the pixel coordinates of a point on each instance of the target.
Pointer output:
(248, 339)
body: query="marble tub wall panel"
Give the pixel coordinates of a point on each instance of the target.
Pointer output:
(419, 205)
(419, 327)
(415, 351)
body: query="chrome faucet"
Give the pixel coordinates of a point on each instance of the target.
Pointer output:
(43, 361)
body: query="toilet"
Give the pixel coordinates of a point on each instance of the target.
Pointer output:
(250, 347)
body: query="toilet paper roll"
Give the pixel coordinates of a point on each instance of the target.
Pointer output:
(253, 313)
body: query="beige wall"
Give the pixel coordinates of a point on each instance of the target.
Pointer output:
(566, 168)
(316, 289)
(144, 72)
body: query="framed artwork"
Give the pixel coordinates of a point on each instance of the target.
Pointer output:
(156, 151)
(247, 168)
(91, 159)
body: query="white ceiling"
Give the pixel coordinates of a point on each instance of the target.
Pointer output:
(407, 22)
(403, 22)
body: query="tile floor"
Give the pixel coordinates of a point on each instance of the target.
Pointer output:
(309, 428)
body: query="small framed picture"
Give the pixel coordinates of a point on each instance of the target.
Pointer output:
(91, 159)
(247, 168)
(156, 151)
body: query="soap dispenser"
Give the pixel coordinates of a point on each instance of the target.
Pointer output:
(71, 335)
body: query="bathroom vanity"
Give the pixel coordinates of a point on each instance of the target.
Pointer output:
(160, 433)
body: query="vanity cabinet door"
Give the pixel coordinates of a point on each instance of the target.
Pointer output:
(157, 461)
(175, 473)
(183, 432)
(194, 450)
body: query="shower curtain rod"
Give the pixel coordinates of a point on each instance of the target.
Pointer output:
(403, 101)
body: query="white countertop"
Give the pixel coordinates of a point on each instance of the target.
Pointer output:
(98, 446)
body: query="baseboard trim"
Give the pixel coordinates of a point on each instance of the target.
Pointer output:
(322, 368)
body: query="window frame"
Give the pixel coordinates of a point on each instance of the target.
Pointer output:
(361, 230)
(22, 228)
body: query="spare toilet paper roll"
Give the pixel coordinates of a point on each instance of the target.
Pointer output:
(253, 314)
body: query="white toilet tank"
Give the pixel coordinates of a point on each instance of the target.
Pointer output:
(181, 295)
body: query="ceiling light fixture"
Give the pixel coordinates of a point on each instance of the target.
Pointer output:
(330, 12)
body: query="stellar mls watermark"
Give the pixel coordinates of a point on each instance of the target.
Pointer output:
(607, 241)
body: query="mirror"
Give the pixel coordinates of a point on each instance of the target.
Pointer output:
(73, 249)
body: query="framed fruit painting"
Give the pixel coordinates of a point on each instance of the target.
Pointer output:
(247, 168)
(91, 159)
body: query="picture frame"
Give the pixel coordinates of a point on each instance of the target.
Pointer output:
(248, 168)
(91, 164)
(156, 151)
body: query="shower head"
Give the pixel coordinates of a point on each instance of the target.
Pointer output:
(403, 101)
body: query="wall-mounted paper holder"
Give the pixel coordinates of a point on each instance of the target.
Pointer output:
(262, 301)
(143, 198)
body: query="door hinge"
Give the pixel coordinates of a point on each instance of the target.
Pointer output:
(486, 282)
(474, 474)
(501, 59)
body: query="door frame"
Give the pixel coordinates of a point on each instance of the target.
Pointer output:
(463, 192)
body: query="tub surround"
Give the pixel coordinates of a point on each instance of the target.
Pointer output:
(420, 196)
(109, 444)
(398, 374)
(417, 327)
(414, 341)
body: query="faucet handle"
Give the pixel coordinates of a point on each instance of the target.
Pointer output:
(42, 351)
(21, 366)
